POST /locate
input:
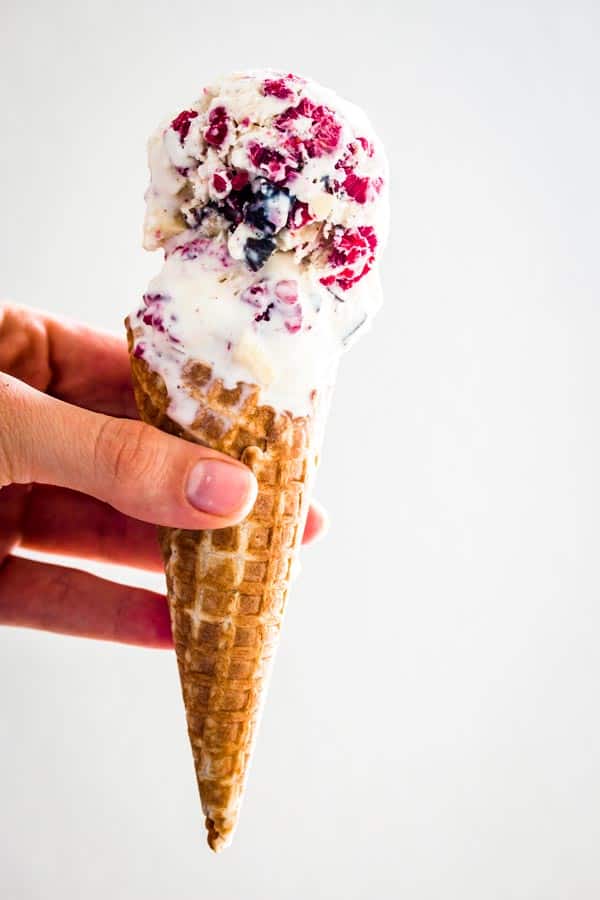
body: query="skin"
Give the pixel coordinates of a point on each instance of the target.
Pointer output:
(81, 476)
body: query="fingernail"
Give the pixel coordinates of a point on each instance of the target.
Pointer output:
(221, 488)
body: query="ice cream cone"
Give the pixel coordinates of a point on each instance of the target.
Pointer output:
(268, 195)
(227, 588)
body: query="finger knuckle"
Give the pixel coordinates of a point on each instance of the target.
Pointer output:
(122, 450)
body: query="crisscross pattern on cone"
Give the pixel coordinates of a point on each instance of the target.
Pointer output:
(227, 588)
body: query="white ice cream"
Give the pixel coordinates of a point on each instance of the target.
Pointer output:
(269, 197)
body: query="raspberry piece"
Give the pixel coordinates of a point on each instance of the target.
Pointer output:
(287, 291)
(356, 187)
(268, 161)
(181, 123)
(293, 326)
(367, 232)
(239, 180)
(154, 319)
(256, 294)
(150, 299)
(366, 145)
(277, 87)
(353, 243)
(306, 108)
(361, 189)
(353, 254)
(221, 185)
(326, 131)
(218, 126)
(138, 350)
(294, 148)
(299, 216)
(193, 249)
(285, 119)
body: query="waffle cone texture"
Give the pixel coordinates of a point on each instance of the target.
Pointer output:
(227, 588)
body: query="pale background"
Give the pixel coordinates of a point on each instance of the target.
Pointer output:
(433, 727)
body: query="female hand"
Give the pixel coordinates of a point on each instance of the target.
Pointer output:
(79, 476)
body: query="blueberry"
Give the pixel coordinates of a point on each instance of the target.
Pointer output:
(256, 214)
(269, 208)
(257, 251)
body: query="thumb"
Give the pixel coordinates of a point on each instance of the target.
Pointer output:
(134, 467)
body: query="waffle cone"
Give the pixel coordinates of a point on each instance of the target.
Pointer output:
(227, 588)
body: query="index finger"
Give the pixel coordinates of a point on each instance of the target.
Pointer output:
(67, 360)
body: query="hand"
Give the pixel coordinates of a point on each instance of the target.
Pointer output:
(80, 477)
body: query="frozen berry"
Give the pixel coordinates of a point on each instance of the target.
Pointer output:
(233, 206)
(277, 87)
(368, 233)
(268, 211)
(293, 325)
(256, 294)
(221, 185)
(150, 299)
(154, 319)
(181, 123)
(356, 187)
(361, 189)
(218, 127)
(366, 145)
(306, 108)
(352, 254)
(257, 251)
(138, 350)
(193, 249)
(268, 161)
(239, 180)
(299, 216)
(325, 131)
(287, 291)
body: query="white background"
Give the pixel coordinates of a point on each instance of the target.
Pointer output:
(433, 728)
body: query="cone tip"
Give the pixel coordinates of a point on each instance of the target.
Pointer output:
(216, 841)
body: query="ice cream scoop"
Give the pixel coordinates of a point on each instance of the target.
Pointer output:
(269, 198)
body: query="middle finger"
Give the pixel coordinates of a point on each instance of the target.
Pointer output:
(58, 520)
(68, 523)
